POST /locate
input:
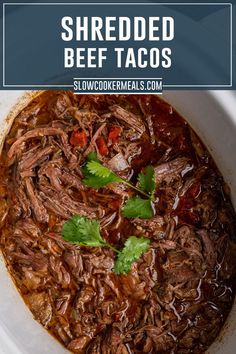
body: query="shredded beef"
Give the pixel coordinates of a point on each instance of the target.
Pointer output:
(178, 294)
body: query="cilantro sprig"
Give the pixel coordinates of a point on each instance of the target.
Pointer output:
(91, 180)
(96, 176)
(86, 232)
(132, 251)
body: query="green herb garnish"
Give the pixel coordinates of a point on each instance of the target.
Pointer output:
(137, 207)
(105, 176)
(86, 232)
(97, 176)
(147, 181)
(83, 231)
(100, 171)
(92, 156)
(90, 180)
(132, 251)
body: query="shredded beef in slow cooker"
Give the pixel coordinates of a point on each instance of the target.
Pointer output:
(179, 293)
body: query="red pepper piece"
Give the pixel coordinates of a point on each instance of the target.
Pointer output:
(79, 138)
(114, 134)
(102, 146)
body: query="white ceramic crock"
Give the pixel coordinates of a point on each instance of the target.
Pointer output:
(213, 117)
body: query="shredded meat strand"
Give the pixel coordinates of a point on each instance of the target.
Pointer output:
(179, 293)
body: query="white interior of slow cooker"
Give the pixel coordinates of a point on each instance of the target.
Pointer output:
(212, 116)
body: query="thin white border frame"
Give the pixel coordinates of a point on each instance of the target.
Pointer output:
(163, 3)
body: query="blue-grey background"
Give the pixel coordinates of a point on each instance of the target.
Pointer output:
(200, 51)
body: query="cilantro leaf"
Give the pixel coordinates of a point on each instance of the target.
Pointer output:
(86, 232)
(97, 175)
(147, 181)
(95, 182)
(132, 251)
(83, 231)
(97, 169)
(92, 156)
(137, 207)
(91, 180)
